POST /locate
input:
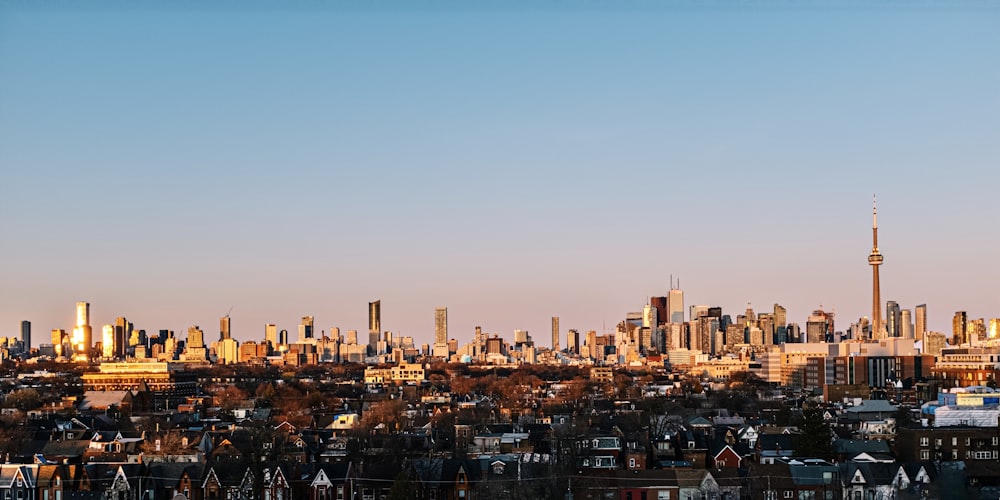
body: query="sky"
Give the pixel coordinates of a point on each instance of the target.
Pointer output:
(172, 162)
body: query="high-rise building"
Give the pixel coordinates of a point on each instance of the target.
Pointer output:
(921, 322)
(697, 312)
(906, 325)
(649, 317)
(224, 325)
(123, 331)
(306, 330)
(893, 317)
(83, 334)
(555, 333)
(573, 341)
(994, 329)
(975, 330)
(26, 334)
(875, 260)
(374, 324)
(675, 305)
(441, 325)
(660, 304)
(271, 334)
(958, 327)
(108, 341)
(780, 316)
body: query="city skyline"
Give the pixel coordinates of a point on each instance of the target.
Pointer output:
(166, 163)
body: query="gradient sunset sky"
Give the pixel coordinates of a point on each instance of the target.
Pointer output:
(511, 161)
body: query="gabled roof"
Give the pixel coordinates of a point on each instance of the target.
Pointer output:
(872, 406)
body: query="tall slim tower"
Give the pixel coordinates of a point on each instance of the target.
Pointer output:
(26, 334)
(921, 322)
(441, 325)
(875, 260)
(555, 333)
(374, 324)
(271, 334)
(83, 334)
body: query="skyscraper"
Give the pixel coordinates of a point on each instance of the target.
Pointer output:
(224, 332)
(555, 333)
(675, 305)
(921, 322)
(83, 334)
(958, 327)
(892, 319)
(271, 334)
(26, 334)
(441, 325)
(122, 332)
(660, 304)
(306, 330)
(906, 324)
(780, 316)
(374, 324)
(875, 260)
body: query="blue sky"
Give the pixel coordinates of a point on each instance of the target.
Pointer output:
(167, 162)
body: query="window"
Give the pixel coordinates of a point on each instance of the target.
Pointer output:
(925, 455)
(937, 442)
(663, 495)
(924, 441)
(954, 454)
(788, 494)
(631, 463)
(968, 441)
(954, 441)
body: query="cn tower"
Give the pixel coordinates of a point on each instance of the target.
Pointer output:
(875, 260)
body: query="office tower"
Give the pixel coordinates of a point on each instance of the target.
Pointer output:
(780, 316)
(675, 305)
(108, 341)
(374, 324)
(920, 328)
(793, 333)
(335, 333)
(751, 318)
(592, 345)
(306, 330)
(875, 260)
(994, 330)
(520, 337)
(271, 334)
(224, 332)
(26, 334)
(123, 331)
(196, 337)
(660, 304)
(958, 325)
(892, 319)
(283, 338)
(906, 324)
(555, 333)
(82, 333)
(649, 317)
(697, 312)
(573, 341)
(352, 337)
(441, 325)
(975, 330)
